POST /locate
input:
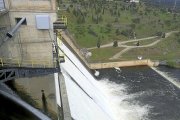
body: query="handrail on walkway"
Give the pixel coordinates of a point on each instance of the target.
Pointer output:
(33, 63)
(63, 19)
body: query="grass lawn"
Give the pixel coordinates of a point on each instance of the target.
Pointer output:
(144, 42)
(168, 49)
(103, 54)
(91, 22)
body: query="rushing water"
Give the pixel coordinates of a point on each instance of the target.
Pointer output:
(171, 72)
(134, 93)
(145, 87)
(85, 99)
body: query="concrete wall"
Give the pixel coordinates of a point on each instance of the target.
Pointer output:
(29, 42)
(32, 5)
(4, 20)
(35, 43)
(122, 64)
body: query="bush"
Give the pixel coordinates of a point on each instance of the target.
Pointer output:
(159, 34)
(163, 35)
(136, 20)
(98, 43)
(90, 31)
(115, 43)
(127, 33)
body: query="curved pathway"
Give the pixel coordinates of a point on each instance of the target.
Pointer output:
(123, 42)
(128, 47)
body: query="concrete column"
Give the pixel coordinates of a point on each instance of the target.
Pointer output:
(64, 98)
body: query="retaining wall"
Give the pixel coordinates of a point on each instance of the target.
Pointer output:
(68, 41)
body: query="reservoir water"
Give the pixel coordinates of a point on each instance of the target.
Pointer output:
(164, 3)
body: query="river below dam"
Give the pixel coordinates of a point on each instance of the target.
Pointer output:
(141, 93)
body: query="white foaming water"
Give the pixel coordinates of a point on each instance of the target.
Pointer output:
(122, 104)
(96, 73)
(96, 100)
(167, 77)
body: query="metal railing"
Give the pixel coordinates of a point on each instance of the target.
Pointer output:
(33, 63)
(63, 19)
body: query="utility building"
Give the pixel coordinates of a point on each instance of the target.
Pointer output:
(34, 38)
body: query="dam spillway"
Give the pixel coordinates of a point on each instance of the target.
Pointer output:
(90, 99)
(132, 93)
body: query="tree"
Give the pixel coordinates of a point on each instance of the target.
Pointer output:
(136, 20)
(119, 14)
(108, 27)
(117, 32)
(71, 5)
(98, 43)
(163, 35)
(115, 43)
(127, 33)
(159, 34)
(174, 16)
(133, 26)
(116, 19)
(103, 10)
(68, 10)
(75, 13)
(100, 18)
(167, 22)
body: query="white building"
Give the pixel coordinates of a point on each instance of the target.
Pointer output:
(33, 40)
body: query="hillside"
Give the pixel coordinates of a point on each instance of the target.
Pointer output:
(93, 23)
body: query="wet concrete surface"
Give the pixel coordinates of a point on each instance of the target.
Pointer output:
(34, 86)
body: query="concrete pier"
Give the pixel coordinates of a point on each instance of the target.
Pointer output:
(146, 62)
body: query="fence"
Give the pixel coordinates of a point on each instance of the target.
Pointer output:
(33, 63)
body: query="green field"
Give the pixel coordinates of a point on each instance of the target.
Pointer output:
(145, 42)
(99, 21)
(167, 49)
(103, 54)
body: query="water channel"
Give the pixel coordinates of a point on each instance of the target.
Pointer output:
(142, 93)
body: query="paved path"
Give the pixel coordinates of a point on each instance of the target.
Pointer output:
(120, 53)
(123, 42)
(128, 47)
